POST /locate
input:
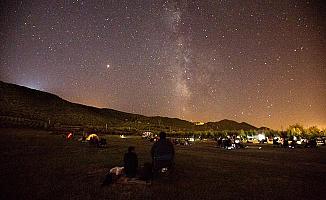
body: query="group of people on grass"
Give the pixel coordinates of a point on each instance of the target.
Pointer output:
(231, 142)
(162, 154)
(180, 141)
(234, 142)
(292, 142)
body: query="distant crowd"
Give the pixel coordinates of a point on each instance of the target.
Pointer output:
(236, 142)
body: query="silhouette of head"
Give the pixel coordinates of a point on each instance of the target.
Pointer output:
(131, 149)
(162, 135)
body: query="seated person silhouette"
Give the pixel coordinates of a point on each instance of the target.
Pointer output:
(130, 162)
(162, 153)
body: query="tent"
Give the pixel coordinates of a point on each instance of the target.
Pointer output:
(147, 134)
(92, 137)
(69, 135)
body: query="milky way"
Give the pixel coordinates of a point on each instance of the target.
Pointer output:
(262, 62)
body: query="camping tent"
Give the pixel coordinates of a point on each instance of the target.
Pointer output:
(147, 134)
(70, 135)
(92, 137)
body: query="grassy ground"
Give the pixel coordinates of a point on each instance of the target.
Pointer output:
(43, 165)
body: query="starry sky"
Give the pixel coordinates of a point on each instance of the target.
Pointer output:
(258, 61)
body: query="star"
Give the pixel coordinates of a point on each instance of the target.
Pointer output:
(164, 57)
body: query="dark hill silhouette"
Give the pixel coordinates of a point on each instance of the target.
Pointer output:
(226, 124)
(22, 102)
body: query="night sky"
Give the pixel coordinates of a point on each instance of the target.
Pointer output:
(258, 61)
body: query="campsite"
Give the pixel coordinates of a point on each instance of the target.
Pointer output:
(40, 164)
(163, 100)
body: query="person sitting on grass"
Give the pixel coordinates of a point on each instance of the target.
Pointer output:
(130, 162)
(162, 153)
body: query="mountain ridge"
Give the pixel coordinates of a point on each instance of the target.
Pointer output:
(21, 101)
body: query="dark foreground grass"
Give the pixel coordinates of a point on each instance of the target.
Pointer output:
(41, 165)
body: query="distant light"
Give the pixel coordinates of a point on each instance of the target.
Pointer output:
(261, 137)
(199, 123)
(107, 66)
(35, 86)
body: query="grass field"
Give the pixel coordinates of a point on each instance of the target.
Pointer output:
(43, 165)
